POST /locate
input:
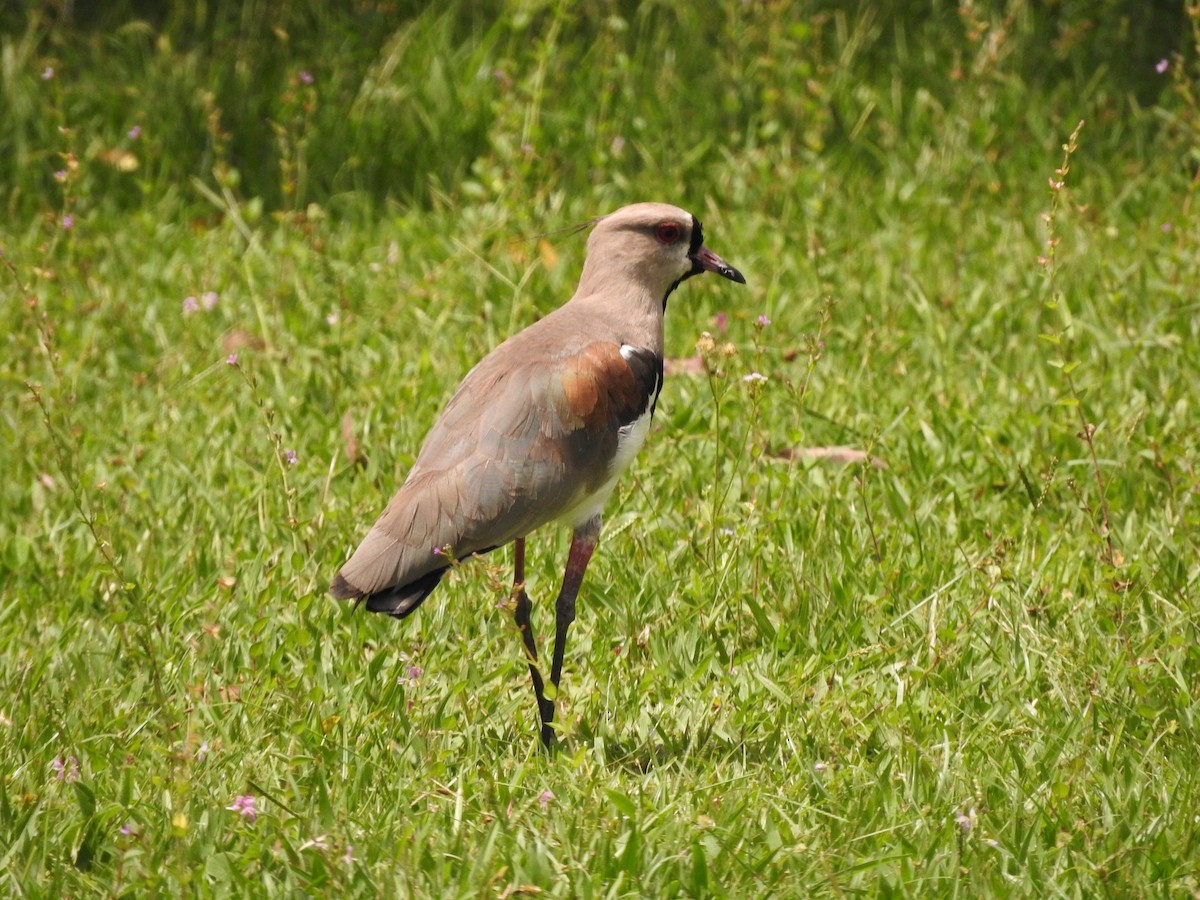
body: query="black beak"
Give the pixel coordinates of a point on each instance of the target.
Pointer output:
(707, 261)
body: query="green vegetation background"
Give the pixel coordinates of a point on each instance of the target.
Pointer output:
(248, 250)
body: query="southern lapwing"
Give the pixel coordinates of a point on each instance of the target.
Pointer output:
(539, 432)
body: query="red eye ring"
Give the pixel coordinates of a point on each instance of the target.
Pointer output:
(667, 233)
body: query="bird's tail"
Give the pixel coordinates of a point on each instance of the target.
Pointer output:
(398, 601)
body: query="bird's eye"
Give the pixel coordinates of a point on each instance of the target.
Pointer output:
(667, 233)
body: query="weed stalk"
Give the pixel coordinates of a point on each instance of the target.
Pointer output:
(1067, 361)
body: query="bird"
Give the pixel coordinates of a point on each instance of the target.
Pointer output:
(539, 431)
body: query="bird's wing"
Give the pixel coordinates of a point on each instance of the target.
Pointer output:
(524, 440)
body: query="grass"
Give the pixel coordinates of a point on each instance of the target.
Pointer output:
(972, 671)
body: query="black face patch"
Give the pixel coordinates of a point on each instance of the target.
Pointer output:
(697, 237)
(694, 245)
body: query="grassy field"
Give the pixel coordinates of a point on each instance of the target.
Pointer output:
(249, 251)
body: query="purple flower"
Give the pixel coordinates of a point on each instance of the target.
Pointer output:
(349, 854)
(68, 222)
(306, 77)
(721, 321)
(202, 751)
(545, 798)
(1162, 65)
(65, 769)
(289, 457)
(231, 359)
(762, 321)
(190, 305)
(244, 806)
(47, 73)
(209, 299)
(60, 175)
(128, 828)
(414, 672)
(134, 133)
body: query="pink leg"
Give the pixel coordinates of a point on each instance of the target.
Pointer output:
(583, 544)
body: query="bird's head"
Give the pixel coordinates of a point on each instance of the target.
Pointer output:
(655, 244)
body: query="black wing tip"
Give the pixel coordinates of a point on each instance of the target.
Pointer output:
(397, 601)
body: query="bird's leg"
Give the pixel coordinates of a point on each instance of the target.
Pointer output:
(583, 544)
(525, 626)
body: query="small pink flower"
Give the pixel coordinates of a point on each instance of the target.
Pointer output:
(209, 299)
(68, 222)
(134, 133)
(65, 769)
(762, 321)
(290, 457)
(47, 73)
(721, 322)
(965, 820)
(244, 806)
(1162, 65)
(128, 828)
(190, 305)
(60, 176)
(545, 798)
(754, 378)
(348, 856)
(306, 77)
(231, 359)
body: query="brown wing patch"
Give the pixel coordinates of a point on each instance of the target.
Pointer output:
(605, 390)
